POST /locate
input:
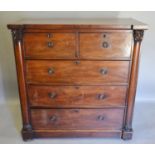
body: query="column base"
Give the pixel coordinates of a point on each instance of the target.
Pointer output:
(27, 133)
(127, 134)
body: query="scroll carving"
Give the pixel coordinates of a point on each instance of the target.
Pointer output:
(138, 35)
(17, 35)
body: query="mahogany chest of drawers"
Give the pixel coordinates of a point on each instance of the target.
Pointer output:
(77, 78)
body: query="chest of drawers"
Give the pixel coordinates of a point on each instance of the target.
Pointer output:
(77, 78)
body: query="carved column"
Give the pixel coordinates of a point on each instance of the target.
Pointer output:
(17, 35)
(138, 36)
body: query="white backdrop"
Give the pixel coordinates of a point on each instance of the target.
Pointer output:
(8, 81)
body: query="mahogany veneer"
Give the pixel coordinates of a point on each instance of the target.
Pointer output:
(77, 77)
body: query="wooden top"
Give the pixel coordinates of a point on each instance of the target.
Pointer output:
(105, 23)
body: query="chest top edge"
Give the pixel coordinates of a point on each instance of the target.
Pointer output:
(107, 23)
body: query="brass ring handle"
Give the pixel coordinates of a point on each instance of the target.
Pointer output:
(52, 95)
(53, 118)
(105, 44)
(50, 71)
(100, 118)
(101, 96)
(50, 44)
(104, 71)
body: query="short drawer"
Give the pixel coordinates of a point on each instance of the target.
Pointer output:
(77, 72)
(106, 45)
(76, 96)
(49, 45)
(74, 119)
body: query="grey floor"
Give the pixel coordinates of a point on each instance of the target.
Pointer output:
(143, 124)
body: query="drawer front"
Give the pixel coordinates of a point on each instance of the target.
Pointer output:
(112, 45)
(77, 72)
(49, 45)
(83, 119)
(76, 96)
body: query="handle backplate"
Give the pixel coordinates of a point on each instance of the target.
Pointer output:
(50, 71)
(50, 44)
(53, 118)
(52, 95)
(105, 44)
(101, 96)
(104, 71)
(100, 118)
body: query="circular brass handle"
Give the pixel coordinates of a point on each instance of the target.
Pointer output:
(50, 71)
(101, 96)
(104, 71)
(50, 44)
(100, 118)
(53, 118)
(105, 44)
(52, 95)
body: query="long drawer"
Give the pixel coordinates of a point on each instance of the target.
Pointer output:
(76, 96)
(74, 119)
(77, 72)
